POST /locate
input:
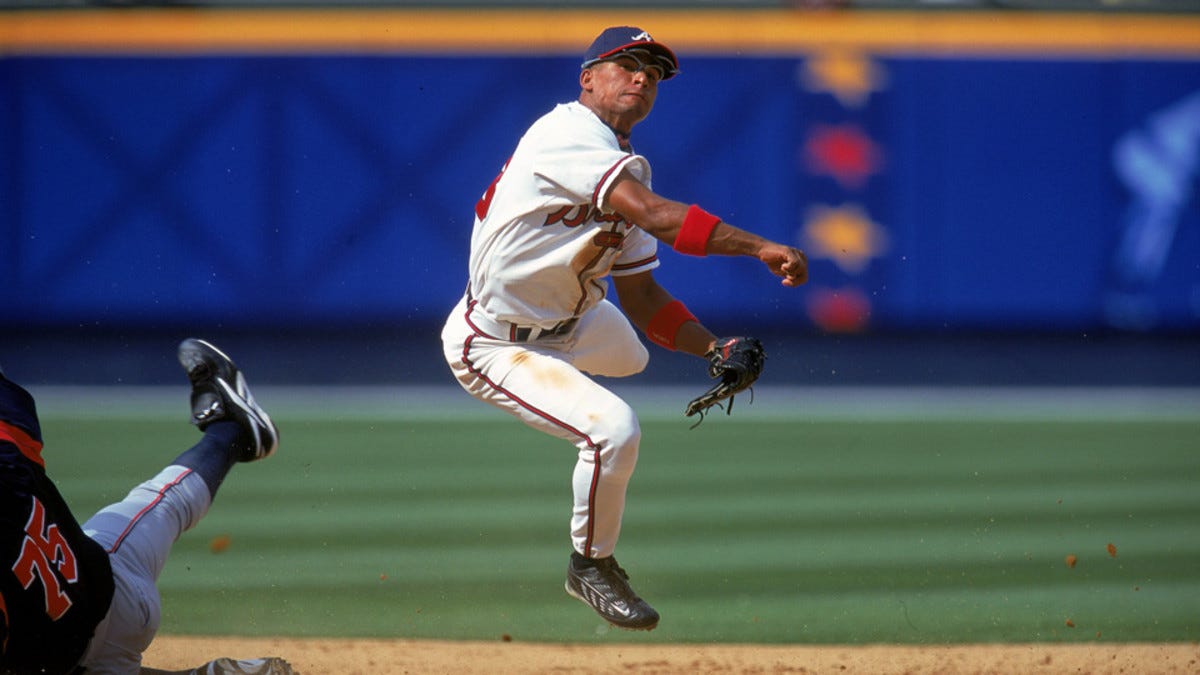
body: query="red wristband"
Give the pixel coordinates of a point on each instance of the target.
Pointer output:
(693, 235)
(665, 323)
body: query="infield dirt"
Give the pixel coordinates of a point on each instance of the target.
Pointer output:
(376, 657)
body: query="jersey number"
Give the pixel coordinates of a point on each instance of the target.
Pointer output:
(485, 202)
(44, 546)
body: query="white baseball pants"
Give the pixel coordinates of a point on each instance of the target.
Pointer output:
(543, 383)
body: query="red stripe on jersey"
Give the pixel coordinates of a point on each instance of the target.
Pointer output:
(636, 263)
(28, 445)
(615, 168)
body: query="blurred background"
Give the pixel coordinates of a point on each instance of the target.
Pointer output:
(989, 192)
(995, 367)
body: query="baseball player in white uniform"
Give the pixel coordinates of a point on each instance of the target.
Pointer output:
(572, 207)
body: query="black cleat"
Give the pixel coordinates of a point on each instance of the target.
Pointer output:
(601, 584)
(219, 392)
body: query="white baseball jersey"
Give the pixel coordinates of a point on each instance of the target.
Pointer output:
(544, 237)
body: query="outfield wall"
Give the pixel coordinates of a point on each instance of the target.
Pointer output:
(295, 169)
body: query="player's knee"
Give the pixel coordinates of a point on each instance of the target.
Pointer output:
(636, 359)
(628, 439)
(624, 437)
(628, 360)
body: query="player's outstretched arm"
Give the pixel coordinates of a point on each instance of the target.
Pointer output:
(691, 230)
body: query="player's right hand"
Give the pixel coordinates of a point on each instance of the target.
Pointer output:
(787, 262)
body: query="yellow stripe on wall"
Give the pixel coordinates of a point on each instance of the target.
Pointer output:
(487, 31)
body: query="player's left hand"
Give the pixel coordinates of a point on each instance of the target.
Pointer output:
(736, 362)
(787, 262)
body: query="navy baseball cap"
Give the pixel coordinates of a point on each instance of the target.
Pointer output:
(618, 39)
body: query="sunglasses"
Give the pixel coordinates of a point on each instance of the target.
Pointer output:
(642, 60)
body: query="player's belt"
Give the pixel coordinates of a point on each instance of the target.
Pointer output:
(503, 330)
(530, 333)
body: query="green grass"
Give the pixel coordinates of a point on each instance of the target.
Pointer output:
(777, 531)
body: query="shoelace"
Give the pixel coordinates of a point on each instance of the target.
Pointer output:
(610, 565)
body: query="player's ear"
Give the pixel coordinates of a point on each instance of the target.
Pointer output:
(585, 79)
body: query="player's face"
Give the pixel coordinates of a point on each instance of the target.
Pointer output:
(624, 88)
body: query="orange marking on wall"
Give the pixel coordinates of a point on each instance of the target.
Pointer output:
(184, 31)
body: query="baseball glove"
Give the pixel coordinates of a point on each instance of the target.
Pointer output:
(736, 362)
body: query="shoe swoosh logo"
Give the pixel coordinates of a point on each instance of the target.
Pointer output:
(622, 610)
